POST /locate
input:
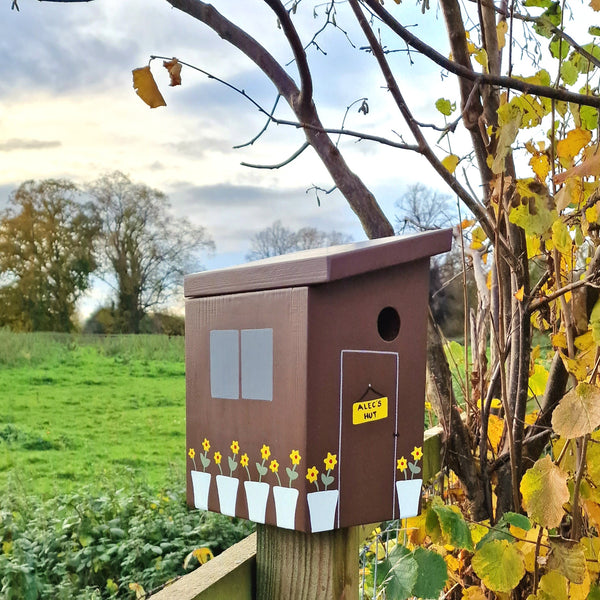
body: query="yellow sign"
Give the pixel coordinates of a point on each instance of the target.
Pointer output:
(366, 411)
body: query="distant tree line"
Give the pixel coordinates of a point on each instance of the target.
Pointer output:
(55, 235)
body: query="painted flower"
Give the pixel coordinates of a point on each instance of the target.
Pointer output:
(244, 460)
(218, 458)
(235, 447)
(295, 457)
(330, 461)
(274, 466)
(312, 474)
(206, 445)
(417, 453)
(402, 464)
(192, 453)
(265, 452)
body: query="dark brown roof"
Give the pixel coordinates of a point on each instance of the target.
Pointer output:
(318, 266)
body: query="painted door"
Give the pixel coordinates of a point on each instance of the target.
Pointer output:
(368, 435)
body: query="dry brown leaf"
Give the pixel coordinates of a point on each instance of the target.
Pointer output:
(146, 88)
(174, 68)
(587, 168)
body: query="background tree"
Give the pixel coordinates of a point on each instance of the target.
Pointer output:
(46, 255)
(520, 214)
(278, 239)
(145, 250)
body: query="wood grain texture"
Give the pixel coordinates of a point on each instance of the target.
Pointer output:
(320, 566)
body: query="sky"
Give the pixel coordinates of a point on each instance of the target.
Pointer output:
(68, 109)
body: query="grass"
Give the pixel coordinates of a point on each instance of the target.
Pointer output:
(75, 410)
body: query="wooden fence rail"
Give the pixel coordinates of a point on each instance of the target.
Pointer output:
(279, 564)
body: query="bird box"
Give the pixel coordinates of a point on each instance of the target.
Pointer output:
(305, 379)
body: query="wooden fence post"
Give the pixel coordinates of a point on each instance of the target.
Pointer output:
(307, 566)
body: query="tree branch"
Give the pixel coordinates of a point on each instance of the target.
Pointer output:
(287, 161)
(461, 71)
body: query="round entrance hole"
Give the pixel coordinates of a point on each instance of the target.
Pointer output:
(388, 324)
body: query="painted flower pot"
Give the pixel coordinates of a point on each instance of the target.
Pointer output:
(286, 499)
(322, 506)
(227, 488)
(257, 493)
(201, 485)
(409, 497)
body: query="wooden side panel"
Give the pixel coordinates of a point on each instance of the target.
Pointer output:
(276, 426)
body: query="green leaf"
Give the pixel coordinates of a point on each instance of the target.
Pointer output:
(544, 491)
(449, 521)
(402, 574)
(445, 106)
(232, 464)
(204, 460)
(326, 479)
(594, 30)
(499, 565)
(291, 474)
(432, 574)
(553, 586)
(533, 214)
(589, 117)
(262, 470)
(516, 520)
(569, 72)
(578, 413)
(559, 47)
(568, 558)
(538, 3)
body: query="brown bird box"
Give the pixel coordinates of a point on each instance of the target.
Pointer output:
(305, 384)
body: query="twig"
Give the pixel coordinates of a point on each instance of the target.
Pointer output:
(269, 120)
(281, 164)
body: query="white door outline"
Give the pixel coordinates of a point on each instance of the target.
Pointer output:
(395, 422)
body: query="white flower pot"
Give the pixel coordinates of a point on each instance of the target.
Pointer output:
(227, 488)
(257, 493)
(409, 497)
(321, 506)
(286, 499)
(201, 485)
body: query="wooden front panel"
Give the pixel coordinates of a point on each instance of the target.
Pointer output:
(245, 378)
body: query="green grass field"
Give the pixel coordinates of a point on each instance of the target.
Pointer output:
(75, 410)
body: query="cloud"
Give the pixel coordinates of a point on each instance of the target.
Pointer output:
(28, 144)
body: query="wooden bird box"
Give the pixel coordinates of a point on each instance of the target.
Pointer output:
(305, 382)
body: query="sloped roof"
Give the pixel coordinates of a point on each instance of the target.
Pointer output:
(321, 265)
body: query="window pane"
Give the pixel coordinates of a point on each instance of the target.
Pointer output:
(225, 364)
(257, 364)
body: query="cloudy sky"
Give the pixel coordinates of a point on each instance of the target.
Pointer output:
(68, 109)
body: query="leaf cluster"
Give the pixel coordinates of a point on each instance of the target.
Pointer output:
(95, 543)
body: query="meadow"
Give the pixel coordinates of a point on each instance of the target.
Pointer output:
(77, 409)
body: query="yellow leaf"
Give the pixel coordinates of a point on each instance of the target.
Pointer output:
(528, 548)
(450, 162)
(531, 418)
(554, 585)
(499, 565)
(560, 237)
(482, 58)
(578, 413)
(520, 294)
(592, 510)
(559, 340)
(202, 555)
(501, 30)
(544, 491)
(473, 592)
(538, 380)
(540, 165)
(580, 591)
(146, 88)
(495, 430)
(591, 547)
(138, 589)
(591, 214)
(466, 223)
(572, 144)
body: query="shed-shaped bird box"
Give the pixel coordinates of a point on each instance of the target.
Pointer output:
(305, 384)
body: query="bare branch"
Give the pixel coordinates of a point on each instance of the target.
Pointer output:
(257, 136)
(281, 164)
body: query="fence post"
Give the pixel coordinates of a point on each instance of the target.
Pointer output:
(307, 566)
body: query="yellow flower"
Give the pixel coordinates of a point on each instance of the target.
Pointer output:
(244, 460)
(192, 453)
(295, 456)
(265, 452)
(235, 447)
(427, 405)
(330, 461)
(311, 474)
(206, 445)
(417, 453)
(274, 466)
(402, 464)
(218, 458)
